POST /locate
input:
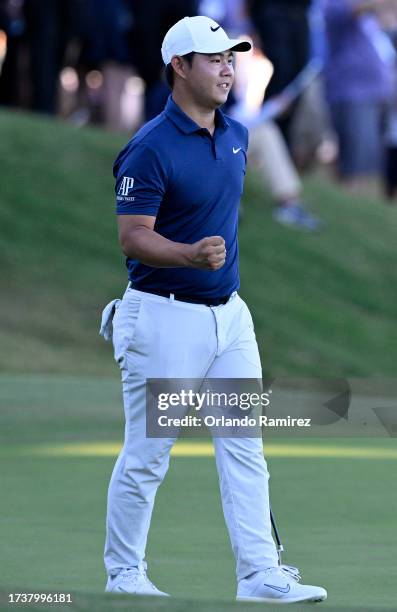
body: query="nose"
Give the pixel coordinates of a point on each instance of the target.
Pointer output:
(227, 69)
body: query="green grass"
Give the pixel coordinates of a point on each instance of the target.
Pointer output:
(336, 516)
(322, 305)
(53, 536)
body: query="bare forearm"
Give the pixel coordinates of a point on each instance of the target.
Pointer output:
(154, 250)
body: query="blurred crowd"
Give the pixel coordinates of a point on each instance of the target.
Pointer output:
(320, 86)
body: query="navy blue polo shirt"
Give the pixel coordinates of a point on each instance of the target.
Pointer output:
(192, 183)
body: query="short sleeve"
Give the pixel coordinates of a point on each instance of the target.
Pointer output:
(140, 182)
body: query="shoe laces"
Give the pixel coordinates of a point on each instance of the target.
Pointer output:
(131, 574)
(134, 573)
(291, 572)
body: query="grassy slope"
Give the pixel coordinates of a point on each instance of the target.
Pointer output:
(322, 304)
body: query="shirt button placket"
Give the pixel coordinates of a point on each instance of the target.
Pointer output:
(216, 151)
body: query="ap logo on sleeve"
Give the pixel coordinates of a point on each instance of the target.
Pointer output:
(126, 185)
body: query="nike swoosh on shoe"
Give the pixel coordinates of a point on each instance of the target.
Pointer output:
(278, 588)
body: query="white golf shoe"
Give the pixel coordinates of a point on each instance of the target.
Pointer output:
(133, 581)
(278, 585)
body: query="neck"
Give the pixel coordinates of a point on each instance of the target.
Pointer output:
(204, 117)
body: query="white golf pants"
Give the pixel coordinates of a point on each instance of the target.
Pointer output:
(157, 337)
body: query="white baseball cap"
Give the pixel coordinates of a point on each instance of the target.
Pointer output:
(201, 35)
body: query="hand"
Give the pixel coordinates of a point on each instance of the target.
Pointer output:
(208, 253)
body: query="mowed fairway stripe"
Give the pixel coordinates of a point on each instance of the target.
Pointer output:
(205, 449)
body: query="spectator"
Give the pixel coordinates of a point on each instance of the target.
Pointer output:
(47, 23)
(311, 131)
(104, 31)
(36, 34)
(283, 29)
(391, 148)
(95, 34)
(269, 154)
(388, 17)
(12, 22)
(152, 20)
(391, 152)
(358, 85)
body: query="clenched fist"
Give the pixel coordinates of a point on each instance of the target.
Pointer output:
(208, 253)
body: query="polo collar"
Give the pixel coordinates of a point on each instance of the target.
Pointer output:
(186, 124)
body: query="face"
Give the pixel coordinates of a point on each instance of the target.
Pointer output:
(209, 78)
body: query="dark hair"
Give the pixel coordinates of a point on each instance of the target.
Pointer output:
(170, 73)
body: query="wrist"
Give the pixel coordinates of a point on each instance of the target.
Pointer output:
(187, 255)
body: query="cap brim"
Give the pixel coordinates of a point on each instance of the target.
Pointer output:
(231, 44)
(242, 45)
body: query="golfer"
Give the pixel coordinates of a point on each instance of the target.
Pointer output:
(178, 186)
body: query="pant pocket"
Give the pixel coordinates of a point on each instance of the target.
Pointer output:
(125, 325)
(106, 329)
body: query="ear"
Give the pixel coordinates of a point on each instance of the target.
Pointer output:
(180, 66)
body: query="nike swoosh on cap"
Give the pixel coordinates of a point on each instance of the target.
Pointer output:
(278, 588)
(215, 29)
(235, 151)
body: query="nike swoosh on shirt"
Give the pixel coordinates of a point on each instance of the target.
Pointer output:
(215, 29)
(278, 588)
(235, 151)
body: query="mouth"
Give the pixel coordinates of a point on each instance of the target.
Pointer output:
(224, 86)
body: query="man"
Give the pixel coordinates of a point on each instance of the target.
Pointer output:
(358, 86)
(147, 39)
(179, 181)
(283, 29)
